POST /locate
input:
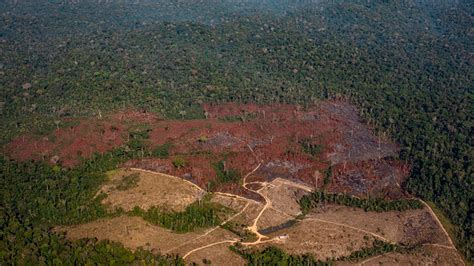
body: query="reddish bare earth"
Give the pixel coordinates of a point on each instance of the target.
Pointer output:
(362, 163)
(84, 137)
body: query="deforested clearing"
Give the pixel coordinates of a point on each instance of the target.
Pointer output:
(151, 190)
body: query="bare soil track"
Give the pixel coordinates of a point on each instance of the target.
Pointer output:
(280, 153)
(320, 233)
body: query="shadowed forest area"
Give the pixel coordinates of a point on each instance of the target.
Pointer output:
(406, 65)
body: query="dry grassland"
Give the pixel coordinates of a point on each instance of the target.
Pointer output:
(153, 189)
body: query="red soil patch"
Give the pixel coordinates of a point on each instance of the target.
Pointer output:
(82, 140)
(243, 136)
(70, 144)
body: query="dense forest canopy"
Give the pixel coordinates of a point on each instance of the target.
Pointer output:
(407, 65)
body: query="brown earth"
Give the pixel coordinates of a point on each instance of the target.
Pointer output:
(216, 236)
(322, 240)
(412, 227)
(219, 254)
(428, 255)
(272, 218)
(132, 232)
(284, 197)
(152, 190)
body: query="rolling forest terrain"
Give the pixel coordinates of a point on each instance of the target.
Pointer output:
(406, 65)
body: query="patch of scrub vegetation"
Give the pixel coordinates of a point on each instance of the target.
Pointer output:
(179, 162)
(309, 146)
(312, 200)
(224, 174)
(378, 247)
(240, 230)
(162, 151)
(128, 182)
(245, 117)
(274, 256)
(140, 131)
(200, 214)
(327, 176)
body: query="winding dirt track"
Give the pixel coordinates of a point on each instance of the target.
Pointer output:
(207, 246)
(153, 172)
(268, 205)
(253, 228)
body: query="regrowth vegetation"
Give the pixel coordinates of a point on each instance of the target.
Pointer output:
(224, 175)
(314, 199)
(197, 215)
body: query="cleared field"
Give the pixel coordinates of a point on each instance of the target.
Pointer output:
(408, 227)
(233, 203)
(250, 214)
(323, 240)
(271, 217)
(151, 189)
(284, 196)
(132, 232)
(428, 255)
(219, 254)
(186, 248)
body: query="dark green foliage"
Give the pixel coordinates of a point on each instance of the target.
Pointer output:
(137, 139)
(310, 147)
(42, 194)
(179, 162)
(327, 176)
(197, 215)
(240, 230)
(66, 124)
(23, 243)
(224, 175)
(275, 256)
(307, 202)
(162, 151)
(140, 134)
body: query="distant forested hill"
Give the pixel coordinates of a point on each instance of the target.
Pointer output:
(408, 65)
